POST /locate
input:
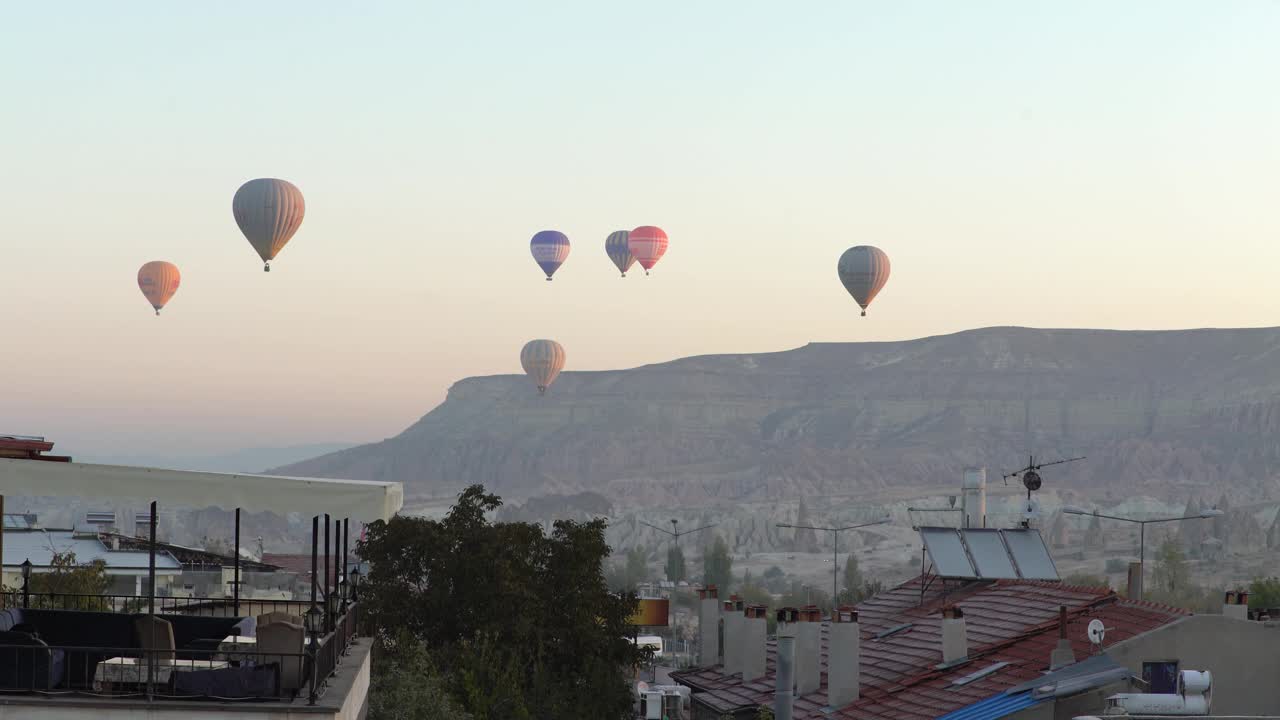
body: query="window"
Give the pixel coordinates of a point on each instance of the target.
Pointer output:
(1161, 676)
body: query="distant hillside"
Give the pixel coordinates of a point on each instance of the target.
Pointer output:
(247, 460)
(1169, 412)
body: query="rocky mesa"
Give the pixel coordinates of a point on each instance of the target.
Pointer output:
(1163, 412)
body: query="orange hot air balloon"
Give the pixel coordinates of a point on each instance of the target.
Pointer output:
(158, 280)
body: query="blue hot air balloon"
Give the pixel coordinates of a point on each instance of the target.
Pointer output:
(550, 249)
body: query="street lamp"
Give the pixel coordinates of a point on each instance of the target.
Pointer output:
(676, 533)
(26, 583)
(835, 547)
(355, 584)
(314, 621)
(1142, 533)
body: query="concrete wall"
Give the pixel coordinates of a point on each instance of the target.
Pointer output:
(1242, 655)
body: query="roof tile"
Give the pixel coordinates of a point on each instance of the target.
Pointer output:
(1013, 621)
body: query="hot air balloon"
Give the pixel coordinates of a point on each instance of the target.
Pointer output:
(542, 360)
(158, 280)
(647, 243)
(550, 249)
(616, 247)
(864, 270)
(268, 212)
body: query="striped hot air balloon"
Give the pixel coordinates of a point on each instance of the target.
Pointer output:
(158, 280)
(542, 360)
(647, 243)
(864, 270)
(550, 249)
(619, 252)
(268, 212)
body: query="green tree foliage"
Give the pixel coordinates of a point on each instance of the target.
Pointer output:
(1171, 574)
(675, 564)
(521, 619)
(637, 567)
(406, 685)
(70, 585)
(852, 578)
(1171, 582)
(1264, 593)
(800, 595)
(717, 565)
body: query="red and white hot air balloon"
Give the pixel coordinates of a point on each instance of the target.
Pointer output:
(647, 243)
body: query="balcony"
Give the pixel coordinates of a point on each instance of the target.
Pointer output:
(62, 654)
(104, 657)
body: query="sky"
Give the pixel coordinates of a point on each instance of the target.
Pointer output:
(1047, 164)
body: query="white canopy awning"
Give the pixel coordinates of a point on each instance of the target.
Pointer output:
(359, 500)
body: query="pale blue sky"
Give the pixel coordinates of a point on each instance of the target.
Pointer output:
(1087, 164)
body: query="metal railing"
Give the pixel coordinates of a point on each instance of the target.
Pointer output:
(221, 669)
(169, 605)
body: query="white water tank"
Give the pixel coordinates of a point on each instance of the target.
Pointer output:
(973, 493)
(1153, 704)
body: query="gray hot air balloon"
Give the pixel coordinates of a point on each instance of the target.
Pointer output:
(864, 270)
(268, 212)
(542, 361)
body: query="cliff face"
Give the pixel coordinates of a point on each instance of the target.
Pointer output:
(1162, 410)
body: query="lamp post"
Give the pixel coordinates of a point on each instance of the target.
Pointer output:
(835, 547)
(1142, 533)
(676, 533)
(314, 620)
(355, 584)
(26, 583)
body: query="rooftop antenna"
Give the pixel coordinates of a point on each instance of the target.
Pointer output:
(1031, 479)
(1097, 632)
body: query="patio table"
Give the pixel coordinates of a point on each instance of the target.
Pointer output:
(133, 671)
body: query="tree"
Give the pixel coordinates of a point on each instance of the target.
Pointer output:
(717, 565)
(405, 684)
(1171, 574)
(520, 617)
(1264, 593)
(675, 564)
(637, 567)
(852, 580)
(79, 585)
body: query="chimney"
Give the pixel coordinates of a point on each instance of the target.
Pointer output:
(809, 651)
(1236, 605)
(1135, 581)
(754, 631)
(974, 494)
(843, 657)
(955, 642)
(784, 690)
(708, 626)
(1062, 655)
(733, 621)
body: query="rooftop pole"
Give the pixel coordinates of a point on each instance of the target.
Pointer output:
(327, 619)
(236, 583)
(151, 605)
(315, 539)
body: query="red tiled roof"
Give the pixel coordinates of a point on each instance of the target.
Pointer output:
(1013, 621)
(28, 448)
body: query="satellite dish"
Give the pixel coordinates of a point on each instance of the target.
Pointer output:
(1097, 632)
